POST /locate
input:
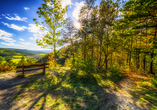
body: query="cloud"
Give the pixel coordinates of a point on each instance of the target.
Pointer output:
(21, 39)
(31, 38)
(36, 36)
(6, 36)
(15, 18)
(7, 39)
(13, 26)
(65, 3)
(27, 43)
(77, 9)
(3, 33)
(33, 28)
(26, 8)
(11, 44)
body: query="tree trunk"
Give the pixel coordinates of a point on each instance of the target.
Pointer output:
(106, 60)
(92, 46)
(151, 64)
(144, 63)
(85, 47)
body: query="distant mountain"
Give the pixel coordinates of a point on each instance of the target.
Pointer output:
(13, 52)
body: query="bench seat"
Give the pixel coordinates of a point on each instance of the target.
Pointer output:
(30, 69)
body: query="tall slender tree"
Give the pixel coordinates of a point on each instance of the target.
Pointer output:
(52, 15)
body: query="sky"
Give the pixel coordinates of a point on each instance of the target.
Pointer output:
(17, 29)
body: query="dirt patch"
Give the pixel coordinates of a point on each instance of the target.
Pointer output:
(9, 82)
(125, 101)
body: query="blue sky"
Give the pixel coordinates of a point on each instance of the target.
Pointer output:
(17, 29)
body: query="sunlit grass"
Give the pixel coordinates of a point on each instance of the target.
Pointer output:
(42, 54)
(146, 92)
(16, 60)
(69, 90)
(17, 56)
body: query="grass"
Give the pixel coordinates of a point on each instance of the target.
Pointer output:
(70, 90)
(16, 60)
(42, 54)
(17, 56)
(146, 92)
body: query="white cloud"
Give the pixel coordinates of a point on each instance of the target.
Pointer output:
(3, 33)
(33, 28)
(27, 43)
(6, 36)
(77, 9)
(31, 38)
(21, 39)
(65, 3)
(11, 44)
(26, 8)
(7, 39)
(0, 18)
(13, 26)
(36, 36)
(15, 18)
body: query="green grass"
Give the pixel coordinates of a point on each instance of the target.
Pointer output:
(17, 56)
(42, 54)
(16, 60)
(70, 90)
(146, 92)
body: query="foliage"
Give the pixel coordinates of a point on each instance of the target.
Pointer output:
(52, 61)
(52, 14)
(8, 65)
(1, 59)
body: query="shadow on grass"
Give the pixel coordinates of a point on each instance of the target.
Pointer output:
(72, 90)
(146, 93)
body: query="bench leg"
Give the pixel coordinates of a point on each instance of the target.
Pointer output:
(44, 69)
(23, 70)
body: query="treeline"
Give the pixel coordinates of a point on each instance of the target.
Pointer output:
(13, 52)
(112, 34)
(18, 52)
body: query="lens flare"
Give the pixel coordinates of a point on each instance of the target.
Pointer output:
(77, 25)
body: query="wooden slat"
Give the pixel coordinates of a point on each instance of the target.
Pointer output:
(35, 65)
(30, 69)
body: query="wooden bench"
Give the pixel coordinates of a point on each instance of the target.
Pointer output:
(28, 67)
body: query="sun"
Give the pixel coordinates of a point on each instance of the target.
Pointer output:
(77, 25)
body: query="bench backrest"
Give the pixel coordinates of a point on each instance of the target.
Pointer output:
(34, 65)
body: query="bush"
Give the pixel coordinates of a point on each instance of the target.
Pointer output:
(87, 66)
(9, 65)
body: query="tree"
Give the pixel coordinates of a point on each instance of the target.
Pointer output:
(52, 14)
(69, 34)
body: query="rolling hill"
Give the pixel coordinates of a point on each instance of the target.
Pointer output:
(15, 52)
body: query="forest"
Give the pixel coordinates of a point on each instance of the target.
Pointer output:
(113, 34)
